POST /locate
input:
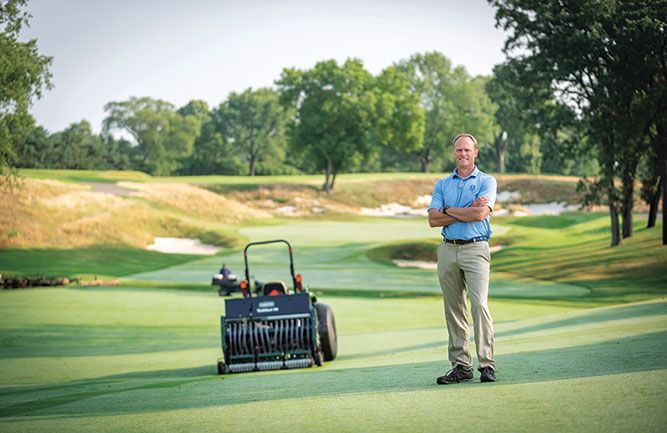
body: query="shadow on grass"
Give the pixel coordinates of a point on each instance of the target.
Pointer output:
(199, 387)
(101, 340)
(596, 316)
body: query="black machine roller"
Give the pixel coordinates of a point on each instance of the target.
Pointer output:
(277, 329)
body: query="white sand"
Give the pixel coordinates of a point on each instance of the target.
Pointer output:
(182, 246)
(395, 210)
(415, 264)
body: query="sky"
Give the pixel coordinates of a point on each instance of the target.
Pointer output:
(178, 51)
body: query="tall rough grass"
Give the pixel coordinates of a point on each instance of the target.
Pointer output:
(49, 213)
(193, 200)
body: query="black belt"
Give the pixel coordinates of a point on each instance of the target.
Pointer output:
(466, 241)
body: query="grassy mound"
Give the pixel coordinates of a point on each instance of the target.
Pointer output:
(580, 254)
(426, 251)
(570, 248)
(50, 213)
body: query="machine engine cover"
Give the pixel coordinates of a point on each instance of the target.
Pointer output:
(268, 307)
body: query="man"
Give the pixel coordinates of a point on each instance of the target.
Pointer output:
(461, 205)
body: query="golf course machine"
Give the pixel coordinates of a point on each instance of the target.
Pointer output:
(278, 328)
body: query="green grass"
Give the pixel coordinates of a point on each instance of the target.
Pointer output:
(84, 175)
(579, 254)
(111, 260)
(240, 181)
(580, 330)
(146, 362)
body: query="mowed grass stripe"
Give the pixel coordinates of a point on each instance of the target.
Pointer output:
(390, 350)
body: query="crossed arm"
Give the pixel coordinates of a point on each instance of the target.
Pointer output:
(477, 211)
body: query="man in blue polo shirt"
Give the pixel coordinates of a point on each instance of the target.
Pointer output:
(461, 205)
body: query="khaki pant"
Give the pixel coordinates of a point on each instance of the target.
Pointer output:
(462, 267)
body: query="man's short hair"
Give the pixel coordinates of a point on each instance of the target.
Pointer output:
(474, 140)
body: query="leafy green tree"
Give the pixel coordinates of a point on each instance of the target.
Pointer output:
(334, 113)
(196, 108)
(254, 123)
(453, 102)
(77, 147)
(24, 75)
(587, 54)
(400, 117)
(651, 185)
(33, 148)
(164, 136)
(510, 113)
(212, 154)
(343, 113)
(119, 154)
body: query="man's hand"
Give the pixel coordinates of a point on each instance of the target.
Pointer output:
(477, 211)
(437, 218)
(480, 202)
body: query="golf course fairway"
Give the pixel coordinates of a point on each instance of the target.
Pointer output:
(580, 333)
(110, 359)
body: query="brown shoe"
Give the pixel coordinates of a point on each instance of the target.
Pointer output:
(488, 375)
(456, 375)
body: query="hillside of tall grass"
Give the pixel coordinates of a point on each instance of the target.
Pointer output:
(48, 213)
(62, 208)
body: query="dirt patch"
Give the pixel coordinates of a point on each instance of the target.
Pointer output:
(109, 188)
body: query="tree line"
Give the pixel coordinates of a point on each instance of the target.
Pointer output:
(582, 92)
(596, 72)
(331, 119)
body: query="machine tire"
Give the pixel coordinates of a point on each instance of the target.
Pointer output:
(221, 367)
(326, 328)
(317, 358)
(223, 292)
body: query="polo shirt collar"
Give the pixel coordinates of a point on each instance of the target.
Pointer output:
(474, 173)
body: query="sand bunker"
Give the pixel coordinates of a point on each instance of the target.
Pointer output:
(420, 206)
(415, 264)
(395, 210)
(182, 246)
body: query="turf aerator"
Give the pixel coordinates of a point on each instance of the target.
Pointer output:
(279, 329)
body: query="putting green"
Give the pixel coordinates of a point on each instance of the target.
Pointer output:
(332, 255)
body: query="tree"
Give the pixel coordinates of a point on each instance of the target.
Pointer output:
(510, 113)
(343, 112)
(212, 154)
(33, 148)
(24, 75)
(78, 148)
(197, 108)
(588, 54)
(164, 137)
(453, 102)
(334, 110)
(400, 117)
(254, 123)
(651, 185)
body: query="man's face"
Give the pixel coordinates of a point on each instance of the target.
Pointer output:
(465, 153)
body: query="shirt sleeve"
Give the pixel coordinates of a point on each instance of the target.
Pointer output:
(437, 200)
(489, 190)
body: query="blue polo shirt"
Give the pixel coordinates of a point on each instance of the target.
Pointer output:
(459, 192)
